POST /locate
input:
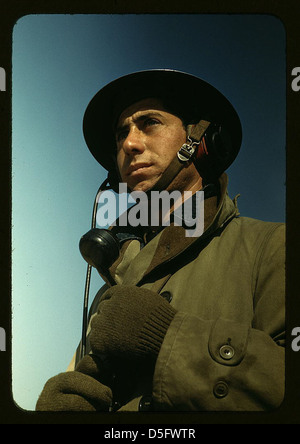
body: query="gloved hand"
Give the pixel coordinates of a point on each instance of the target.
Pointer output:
(78, 390)
(131, 323)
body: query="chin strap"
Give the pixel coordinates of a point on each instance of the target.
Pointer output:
(184, 155)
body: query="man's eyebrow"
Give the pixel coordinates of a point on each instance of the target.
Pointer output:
(139, 118)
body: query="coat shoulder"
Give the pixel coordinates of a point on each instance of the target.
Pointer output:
(256, 227)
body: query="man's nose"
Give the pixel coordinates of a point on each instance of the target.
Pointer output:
(134, 143)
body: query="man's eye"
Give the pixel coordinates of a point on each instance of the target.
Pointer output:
(121, 136)
(151, 121)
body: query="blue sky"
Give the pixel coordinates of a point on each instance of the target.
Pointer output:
(59, 63)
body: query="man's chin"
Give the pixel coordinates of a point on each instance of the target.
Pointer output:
(141, 187)
(144, 186)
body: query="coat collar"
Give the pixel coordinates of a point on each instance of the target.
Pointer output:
(135, 264)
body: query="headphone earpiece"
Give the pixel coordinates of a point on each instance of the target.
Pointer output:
(214, 152)
(221, 145)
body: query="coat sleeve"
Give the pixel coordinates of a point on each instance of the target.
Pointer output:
(219, 365)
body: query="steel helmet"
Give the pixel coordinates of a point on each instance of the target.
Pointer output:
(192, 99)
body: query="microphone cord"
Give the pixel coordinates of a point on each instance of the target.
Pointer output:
(102, 187)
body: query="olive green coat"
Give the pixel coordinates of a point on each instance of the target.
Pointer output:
(224, 350)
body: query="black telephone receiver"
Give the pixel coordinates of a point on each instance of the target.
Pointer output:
(99, 248)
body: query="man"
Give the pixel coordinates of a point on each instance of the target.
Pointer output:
(193, 323)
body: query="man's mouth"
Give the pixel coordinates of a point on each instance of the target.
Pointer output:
(137, 168)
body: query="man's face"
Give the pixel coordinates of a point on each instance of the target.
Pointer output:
(148, 138)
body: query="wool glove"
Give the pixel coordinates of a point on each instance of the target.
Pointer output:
(131, 323)
(78, 390)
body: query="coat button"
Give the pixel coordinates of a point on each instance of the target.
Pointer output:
(167, 296)
(221, 389)
(145, 404)
(226, 352)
